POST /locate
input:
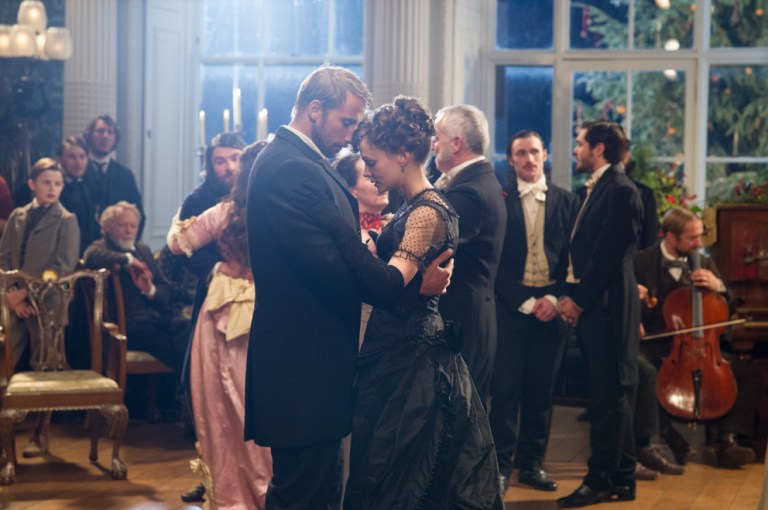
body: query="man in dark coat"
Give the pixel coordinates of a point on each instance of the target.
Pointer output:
(471, 187)
(77, 196)
(605, 308)
(530, 344)
(304, 336)
(222, 163)
(110, 181)
(660, 270)
(150, 325)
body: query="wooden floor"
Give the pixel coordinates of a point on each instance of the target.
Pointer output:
(158, 472)
(701, 487)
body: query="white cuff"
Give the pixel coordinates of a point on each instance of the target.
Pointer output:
(152, 292)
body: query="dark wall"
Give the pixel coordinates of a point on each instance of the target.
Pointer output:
(31, 103)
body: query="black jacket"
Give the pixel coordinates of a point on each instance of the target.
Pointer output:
(116, 184)
(560, 211)
(477, 197)
(602, 250)
(304, 336)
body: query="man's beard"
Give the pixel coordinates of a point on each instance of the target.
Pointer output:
(100, 153)
(220, 185)
(317, 138)
(125, 244)
(443, 161)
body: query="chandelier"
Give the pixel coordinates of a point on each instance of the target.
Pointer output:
(29, 37)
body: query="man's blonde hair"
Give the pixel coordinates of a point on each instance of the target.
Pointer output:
(676, 219)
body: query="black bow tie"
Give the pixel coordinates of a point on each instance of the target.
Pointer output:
(676, 263)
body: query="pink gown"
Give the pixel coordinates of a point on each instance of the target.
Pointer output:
(240, 471)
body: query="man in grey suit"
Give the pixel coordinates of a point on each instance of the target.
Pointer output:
(471, 187)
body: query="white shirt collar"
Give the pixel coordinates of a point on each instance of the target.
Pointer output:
(537, 188)
(100, 161)
(592, 181)
(307, 140)
(453, 172)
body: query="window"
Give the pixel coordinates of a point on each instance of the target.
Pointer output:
(265, 48)
(737, 130)
(685, 78)
(523, 101)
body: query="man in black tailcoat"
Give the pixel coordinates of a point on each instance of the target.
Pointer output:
(304, 336)
(530, 343)
(604, 306)
(470, 185)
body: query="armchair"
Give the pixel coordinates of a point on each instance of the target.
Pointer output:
(54, 386)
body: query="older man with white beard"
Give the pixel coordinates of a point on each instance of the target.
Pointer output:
(151, 325)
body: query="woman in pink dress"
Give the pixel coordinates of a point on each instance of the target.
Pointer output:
(240, 471)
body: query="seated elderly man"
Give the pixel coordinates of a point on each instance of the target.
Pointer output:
(151, 325)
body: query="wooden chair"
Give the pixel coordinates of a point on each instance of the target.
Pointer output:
(53, 386)
(136, 362)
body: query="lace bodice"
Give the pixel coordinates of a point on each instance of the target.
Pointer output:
(422, 229)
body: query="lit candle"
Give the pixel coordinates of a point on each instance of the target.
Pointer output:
(236, 109)
(202, 128)
(226, 120)
(261, 132)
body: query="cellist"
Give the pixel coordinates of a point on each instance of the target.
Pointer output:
(659, 270)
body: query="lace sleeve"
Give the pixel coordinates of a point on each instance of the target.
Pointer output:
(425, 232)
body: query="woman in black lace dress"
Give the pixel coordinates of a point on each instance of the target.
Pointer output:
(420, 436)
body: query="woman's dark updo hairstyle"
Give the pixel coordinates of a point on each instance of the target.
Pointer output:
(403, 126)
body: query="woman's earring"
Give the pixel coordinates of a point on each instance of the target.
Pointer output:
(402, 167)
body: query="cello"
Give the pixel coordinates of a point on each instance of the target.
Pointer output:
(695, 382)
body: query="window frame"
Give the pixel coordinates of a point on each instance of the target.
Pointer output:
(696, 61)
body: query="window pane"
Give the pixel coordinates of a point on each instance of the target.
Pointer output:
(349, 27)
(738, 109)
(599, 24)
(514, 28)
(658, 110)
(262, 38)
(737, 182)
(250, 35)
(523, 101)
(217, 95)
(739, 24)
(664, 24)
(298, 28)
(597, 95)
(219, 26)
